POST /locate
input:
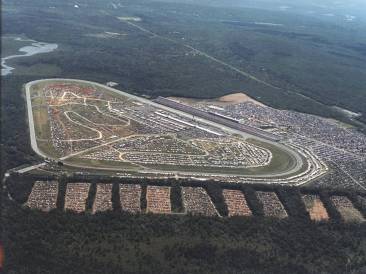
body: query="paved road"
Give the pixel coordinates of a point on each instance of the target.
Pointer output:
(29, 168)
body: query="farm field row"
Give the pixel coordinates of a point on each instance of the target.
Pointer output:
(134, 198)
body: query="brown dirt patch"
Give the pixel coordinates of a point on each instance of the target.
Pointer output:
(237, 98)
(230, 99)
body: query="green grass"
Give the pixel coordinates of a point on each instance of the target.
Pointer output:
(114, 165)
(281, 160)
(47, 148)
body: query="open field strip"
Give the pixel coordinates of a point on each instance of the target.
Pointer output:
(236, 203)
(346, 209)
(315, 207)
(103, 198)
(158, 199)
(43, 195)
(130, 197)
(272, 206)
(197, 202)
(76, 195)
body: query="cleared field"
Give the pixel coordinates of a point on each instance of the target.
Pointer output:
(315, 208)
(236, 203)
(236, 98)
(103, 198)
(272, 206)
(130, 197)
(158, 199)
(76, 195)
(345, 207)
(43, 127)
(43, 195)
(196, 201)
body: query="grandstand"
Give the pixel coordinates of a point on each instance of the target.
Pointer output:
(217, 118)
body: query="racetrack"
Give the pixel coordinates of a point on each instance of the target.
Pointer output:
(296, 166)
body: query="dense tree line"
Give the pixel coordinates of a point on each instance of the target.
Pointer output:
(91, 197)
(291, 199)
(15, 145)
(214, 190)
(176, 197)
(254, 204)
(111, 242)
(19, 187)
(116, 197)
(142, 65)
(118, 242)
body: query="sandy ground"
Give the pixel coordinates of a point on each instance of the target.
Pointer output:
(230, 99)
(318, 211)
(236, 98)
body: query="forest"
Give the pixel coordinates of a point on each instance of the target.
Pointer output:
(119, 242)
(310, 70)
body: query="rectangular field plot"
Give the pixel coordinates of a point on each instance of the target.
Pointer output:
(272, 206)
(130, 197)
(236, 203)
(345, 207)
(315, 207)
(197, 201)
(103, 198)
(76, 195)
(43, 195)
(158, 199)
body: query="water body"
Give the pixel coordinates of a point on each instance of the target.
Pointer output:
(35, 48)
(268, 24)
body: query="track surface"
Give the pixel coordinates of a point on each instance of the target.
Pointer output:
(295, 155)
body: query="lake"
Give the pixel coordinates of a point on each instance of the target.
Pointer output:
(33, 49)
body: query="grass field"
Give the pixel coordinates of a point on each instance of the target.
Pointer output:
(281, 160)
(109, 165)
